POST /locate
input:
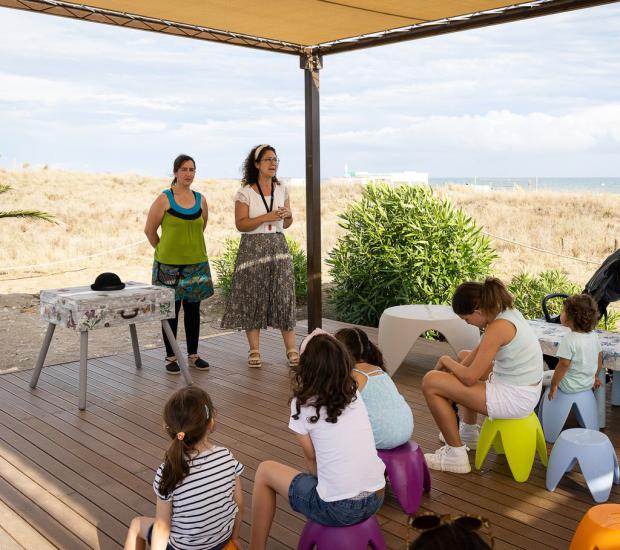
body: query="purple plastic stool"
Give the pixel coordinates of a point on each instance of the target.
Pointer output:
(408, 474)
(354, 537)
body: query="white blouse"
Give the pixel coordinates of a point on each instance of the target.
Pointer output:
(248, 196)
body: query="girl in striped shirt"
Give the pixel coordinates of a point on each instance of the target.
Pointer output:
(199, 498)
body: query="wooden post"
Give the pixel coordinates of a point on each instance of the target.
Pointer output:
(311, 63)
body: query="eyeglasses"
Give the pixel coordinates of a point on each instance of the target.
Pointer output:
(275, 160)
(427, 521)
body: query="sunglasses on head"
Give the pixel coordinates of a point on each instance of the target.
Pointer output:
(426, 521)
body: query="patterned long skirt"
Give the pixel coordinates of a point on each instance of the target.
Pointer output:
(262, 293)
(190, 282)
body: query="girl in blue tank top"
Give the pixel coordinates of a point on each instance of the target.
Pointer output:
(390, 416)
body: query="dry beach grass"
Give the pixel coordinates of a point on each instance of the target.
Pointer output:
(104, 214)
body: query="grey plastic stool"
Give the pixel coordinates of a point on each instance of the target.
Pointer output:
(553, 414)
(596, 457)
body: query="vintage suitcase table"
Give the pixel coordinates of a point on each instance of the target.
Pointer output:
(82, 309)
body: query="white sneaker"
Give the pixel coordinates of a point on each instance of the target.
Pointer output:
(469, 435)
(449, 459)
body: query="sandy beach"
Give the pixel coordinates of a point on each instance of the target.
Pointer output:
(100, 219)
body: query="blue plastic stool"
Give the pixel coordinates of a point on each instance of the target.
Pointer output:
(553, 414)
(596, 456)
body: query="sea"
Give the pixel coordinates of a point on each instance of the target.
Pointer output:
(596, 185)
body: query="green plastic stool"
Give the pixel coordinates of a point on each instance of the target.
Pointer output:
(518, 439)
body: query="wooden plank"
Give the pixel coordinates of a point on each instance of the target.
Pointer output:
(95, 468)
(20, 531)
(43, 511)
(7, 542)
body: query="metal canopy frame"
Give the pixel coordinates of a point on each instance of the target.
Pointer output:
(311, 61)
(497, 16)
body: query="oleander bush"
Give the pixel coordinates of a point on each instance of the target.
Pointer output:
(529, 290)
(225, 267)
(403, 245)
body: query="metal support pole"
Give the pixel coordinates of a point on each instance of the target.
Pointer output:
(311, 63)
(177, 352)
(83, 369)
(41, 359)
(134, 344)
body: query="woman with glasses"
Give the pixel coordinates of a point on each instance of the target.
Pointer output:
(262, 293)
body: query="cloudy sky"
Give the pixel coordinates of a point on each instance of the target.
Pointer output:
(533, 98)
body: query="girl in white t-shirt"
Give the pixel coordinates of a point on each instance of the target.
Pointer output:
(345, 480)
(581, 358)
(199, 498)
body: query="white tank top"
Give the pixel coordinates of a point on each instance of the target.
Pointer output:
(520, 361)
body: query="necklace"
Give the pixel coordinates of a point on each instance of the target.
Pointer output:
(262, 196)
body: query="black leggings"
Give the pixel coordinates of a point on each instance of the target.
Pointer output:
(191, 321)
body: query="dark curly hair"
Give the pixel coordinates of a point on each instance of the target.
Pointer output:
(360, 347)
(248, 168)
(582, 312)
(449, 537)
(323, 378)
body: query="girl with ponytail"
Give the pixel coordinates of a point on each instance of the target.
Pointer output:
(390, 416)
(500, 378)
(199, 498)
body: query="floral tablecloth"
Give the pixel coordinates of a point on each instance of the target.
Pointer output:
(81, 308)
(551, 334)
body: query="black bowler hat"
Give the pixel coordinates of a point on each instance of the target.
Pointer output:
(107, 281)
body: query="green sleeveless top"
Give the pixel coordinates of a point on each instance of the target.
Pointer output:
(182, 238)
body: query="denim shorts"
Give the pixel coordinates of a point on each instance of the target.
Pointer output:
(149, 535)
(303, 498)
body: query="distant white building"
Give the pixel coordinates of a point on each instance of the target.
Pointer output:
(364, 178)
(408, 177)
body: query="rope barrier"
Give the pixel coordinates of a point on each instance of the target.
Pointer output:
(21, 267)
(523, 245)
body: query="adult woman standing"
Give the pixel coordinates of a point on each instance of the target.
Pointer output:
(262, 293)
(181, 260)
(501, 378)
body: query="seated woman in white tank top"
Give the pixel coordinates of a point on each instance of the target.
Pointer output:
(500, 378)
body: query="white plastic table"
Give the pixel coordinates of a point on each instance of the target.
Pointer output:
(82, 309)
(551, 334)
(400, 326)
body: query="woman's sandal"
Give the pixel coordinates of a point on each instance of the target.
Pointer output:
(254, 360)
(293, 357)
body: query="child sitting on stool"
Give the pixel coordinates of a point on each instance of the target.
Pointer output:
(581, 358)
(345, 481)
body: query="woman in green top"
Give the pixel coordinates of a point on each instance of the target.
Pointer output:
(181, 260)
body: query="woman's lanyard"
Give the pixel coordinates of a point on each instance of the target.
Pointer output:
(270, 207)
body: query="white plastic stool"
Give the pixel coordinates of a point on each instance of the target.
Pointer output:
(400, 326)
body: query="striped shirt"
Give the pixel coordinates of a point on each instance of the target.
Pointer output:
(203, 508)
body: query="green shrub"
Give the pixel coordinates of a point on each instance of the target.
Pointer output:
(529, 290)
(403, 245)
(225, 267)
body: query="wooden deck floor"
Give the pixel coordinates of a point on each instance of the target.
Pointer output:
(72, 480)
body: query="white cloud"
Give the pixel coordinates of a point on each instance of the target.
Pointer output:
(499, 131)
(47, 91)
(136, 126)
(539, 93)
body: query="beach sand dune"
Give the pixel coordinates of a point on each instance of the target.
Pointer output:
(100, 228)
